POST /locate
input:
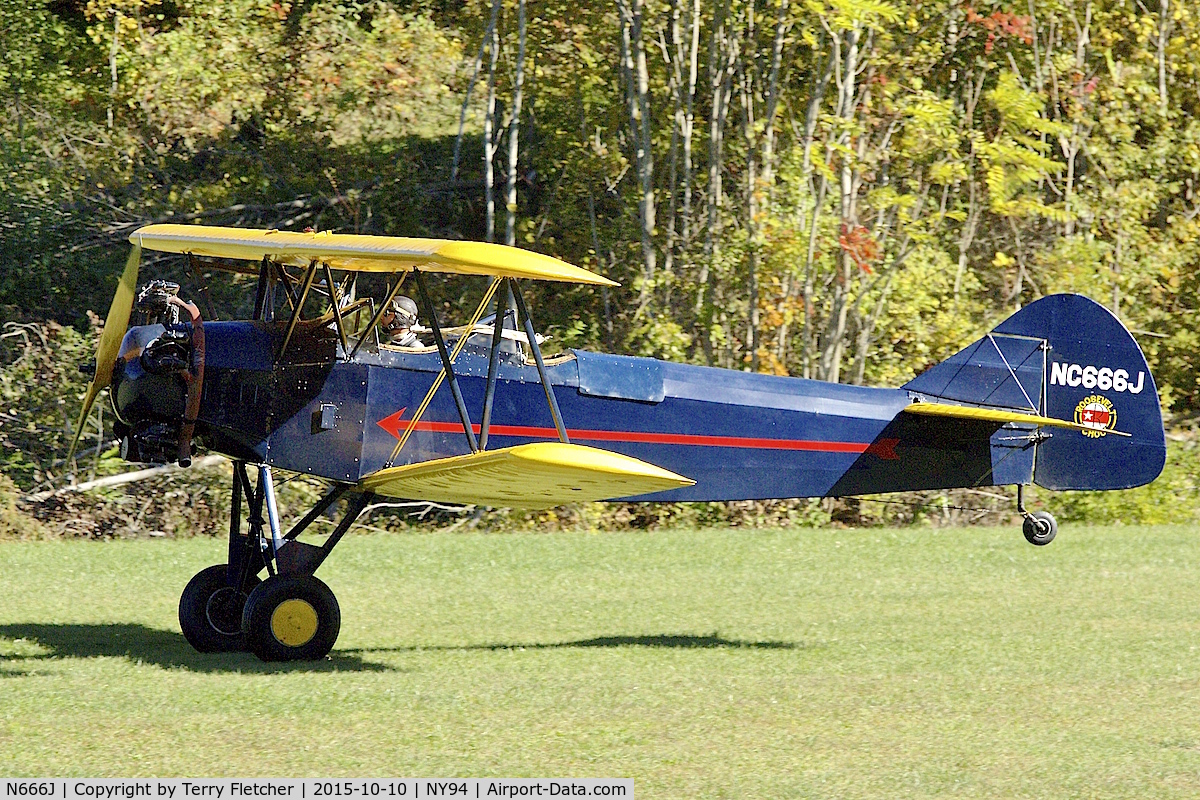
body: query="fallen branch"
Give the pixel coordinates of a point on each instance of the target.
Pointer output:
(124, 477)
(426, 506)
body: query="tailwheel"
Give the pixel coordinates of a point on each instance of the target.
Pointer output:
(210, 611)
(291, 618)
(1040, 528)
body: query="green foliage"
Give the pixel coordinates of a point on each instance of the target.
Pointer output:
(14, 523)
(35, 60)
(41, 394)
(974, 157)
(347, 73)
(212, 71)
(609, 517)
(54, 153)
(1014, 161)
(925, 323)
(367, 73)
(171, 504)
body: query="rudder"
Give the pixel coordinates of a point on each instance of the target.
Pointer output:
(1070, 358)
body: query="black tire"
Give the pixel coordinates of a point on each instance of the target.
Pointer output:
(1040, 528)
(210, 612)
(291, 618)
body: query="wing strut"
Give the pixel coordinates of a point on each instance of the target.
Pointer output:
(335, 306)
(295, 317)
(447, 367)
(515, 300)
(537, 356)
(373, 325)
(262, 296)
(447, 362)
(489, 395)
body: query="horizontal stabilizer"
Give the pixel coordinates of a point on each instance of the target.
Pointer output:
(996, 415)
(538, 475)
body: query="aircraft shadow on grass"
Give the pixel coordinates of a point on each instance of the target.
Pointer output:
(142, 644)
(169, 650)
(669, 640)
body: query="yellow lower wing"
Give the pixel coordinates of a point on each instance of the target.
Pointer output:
(539, 475)
(995, 415)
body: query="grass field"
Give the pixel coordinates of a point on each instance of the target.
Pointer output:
(785, 663)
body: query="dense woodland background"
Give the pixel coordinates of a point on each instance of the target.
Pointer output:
(846, 190)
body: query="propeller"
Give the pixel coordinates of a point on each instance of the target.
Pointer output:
(115, 325)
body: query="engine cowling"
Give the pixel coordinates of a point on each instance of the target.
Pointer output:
(149, 391)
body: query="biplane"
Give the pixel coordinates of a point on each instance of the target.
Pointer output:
(1057, 395)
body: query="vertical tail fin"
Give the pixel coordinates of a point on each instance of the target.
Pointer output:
(1066, 357)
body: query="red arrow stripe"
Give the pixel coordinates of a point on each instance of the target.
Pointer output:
(531, 432)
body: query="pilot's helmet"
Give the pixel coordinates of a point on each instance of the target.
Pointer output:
(404, 313)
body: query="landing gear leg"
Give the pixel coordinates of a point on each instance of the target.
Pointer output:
(291, 615)
(1039, 527)
(210, 608)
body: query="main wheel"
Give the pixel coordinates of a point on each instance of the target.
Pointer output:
(1040, 528)
(210, 611)
(293, 618)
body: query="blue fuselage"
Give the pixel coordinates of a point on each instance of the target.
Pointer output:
(739, 435)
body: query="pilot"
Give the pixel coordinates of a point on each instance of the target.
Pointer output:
(398, 320)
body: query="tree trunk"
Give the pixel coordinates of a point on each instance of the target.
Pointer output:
(834, 343)
(514, 131)
(689, 119)
(866, 333)
(967, 237)
(489, 135)
(720, 86)
(639, 109)
(746, 81)
(112, 65)
(1071, 147)
(1164, 33)
(812, 113)
(774, 92)
(671, 54)
(462, 117)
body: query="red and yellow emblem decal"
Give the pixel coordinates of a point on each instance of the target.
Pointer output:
(1096, 414)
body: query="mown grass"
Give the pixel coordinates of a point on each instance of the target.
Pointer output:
(783, 663)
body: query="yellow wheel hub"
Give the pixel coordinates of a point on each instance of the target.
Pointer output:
(294, 622)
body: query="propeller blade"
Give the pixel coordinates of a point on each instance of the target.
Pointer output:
(115, 325)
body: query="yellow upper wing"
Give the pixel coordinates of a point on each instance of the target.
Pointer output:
(539, 475)
(362, 253)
